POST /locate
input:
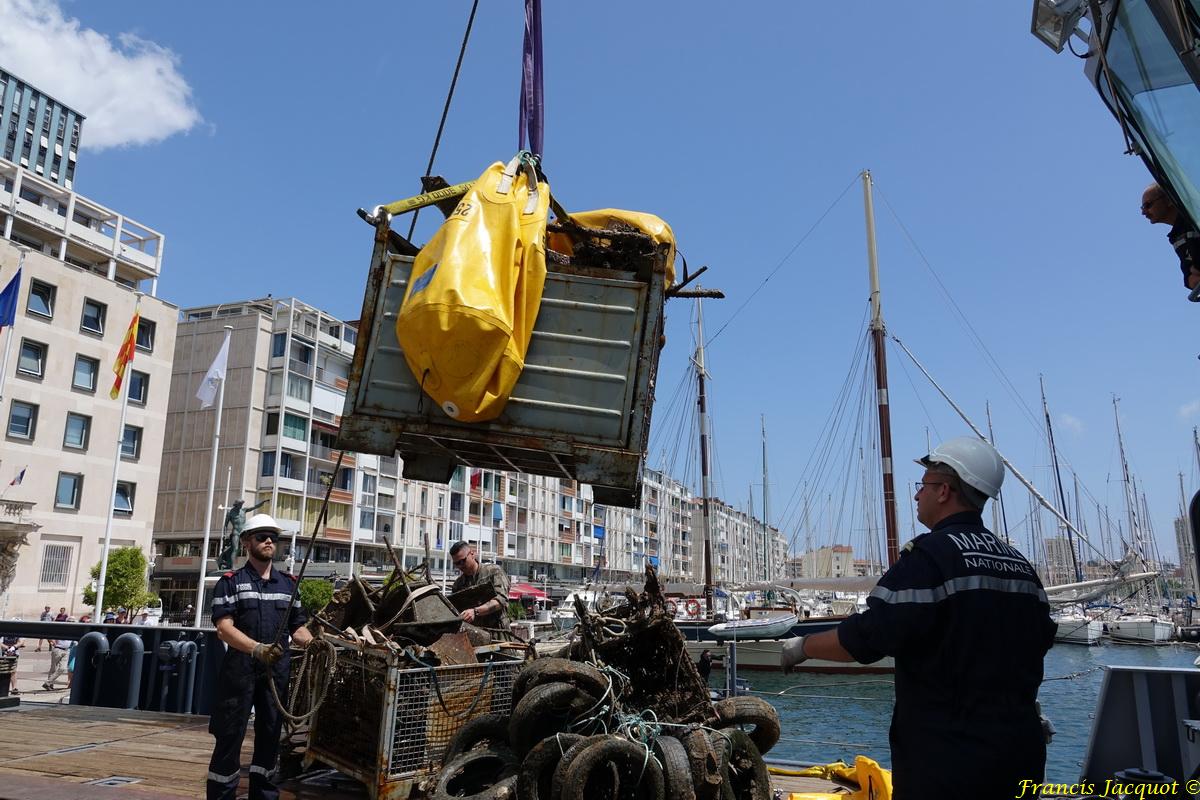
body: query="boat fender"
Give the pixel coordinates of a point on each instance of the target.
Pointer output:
(490, 728)
(535, 781)
(544, 711)
(489, 774)
(733, 711)
(704, 762)
(641, 778)
(560, 670)
(746, 773)
(568, 758)
(677, 772)
(693, 607)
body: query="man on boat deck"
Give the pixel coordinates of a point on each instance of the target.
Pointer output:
(1157, 207)
(966, 620)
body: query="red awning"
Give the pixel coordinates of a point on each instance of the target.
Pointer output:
(519, 590)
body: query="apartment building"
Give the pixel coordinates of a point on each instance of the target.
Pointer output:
(738, 542)
(40, 133)
(830, 561)
(284, 393)
(77, 297)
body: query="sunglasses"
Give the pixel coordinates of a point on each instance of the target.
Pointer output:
(458, 562)
(264, 537)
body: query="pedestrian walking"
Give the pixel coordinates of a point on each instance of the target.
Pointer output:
(59, 651)
(47, 616)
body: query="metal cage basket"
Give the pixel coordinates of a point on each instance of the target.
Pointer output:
(388, 724)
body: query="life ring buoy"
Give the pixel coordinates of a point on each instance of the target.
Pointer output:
(672, 609)
(693, 607)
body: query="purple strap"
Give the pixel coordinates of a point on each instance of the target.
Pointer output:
(532, 105)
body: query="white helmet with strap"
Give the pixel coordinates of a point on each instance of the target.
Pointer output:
(976, 462)
(261, 522)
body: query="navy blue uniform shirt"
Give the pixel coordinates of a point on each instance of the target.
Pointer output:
(966, 619)
(257, 607)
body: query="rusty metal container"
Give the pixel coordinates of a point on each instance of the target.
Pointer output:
(388, 725)
(581, 409)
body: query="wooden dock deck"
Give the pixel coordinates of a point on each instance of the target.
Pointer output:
(61, 752)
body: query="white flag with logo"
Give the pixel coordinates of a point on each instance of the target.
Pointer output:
(208, 387)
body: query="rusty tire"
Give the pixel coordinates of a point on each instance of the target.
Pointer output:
(490, 728)
(748, 778)
(564, 763)
(489, 774)
(559, 670)
(590, 775)
(677, 771)
(544, 711)
(705, 763)
(536, 779)
(734, 711)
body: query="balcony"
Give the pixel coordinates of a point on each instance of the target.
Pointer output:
(300, 367)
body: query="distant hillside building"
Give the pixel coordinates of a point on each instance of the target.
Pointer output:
(831, 561)
(41, 134)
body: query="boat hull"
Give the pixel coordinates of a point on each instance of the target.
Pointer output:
(1079, 631)
(763, 654)
(1153, 631)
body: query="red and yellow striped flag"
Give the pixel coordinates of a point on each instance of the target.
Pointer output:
(125, 354)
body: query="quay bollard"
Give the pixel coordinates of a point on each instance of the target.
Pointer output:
(90, 654)
(129, 646)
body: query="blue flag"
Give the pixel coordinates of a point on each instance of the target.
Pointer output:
(8, 301)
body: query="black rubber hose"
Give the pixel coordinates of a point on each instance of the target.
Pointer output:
(544, 711)
(490, 728)
(489, 774)
(589, 776)
(559, 670)
(734, 711)
(677, 772)
(536, 779)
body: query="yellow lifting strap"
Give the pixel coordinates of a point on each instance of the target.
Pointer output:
(873, 781)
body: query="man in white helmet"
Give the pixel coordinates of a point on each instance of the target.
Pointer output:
(966, 619)
(249, 606)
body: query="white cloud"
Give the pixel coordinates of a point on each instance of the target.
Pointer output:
(1188, 410)
(130, 90)
(1073, 424)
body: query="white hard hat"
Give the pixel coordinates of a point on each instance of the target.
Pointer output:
(976, 462)
(261, 522)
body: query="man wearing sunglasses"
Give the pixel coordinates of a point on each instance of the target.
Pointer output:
(494, 613)
(1157, 207)
(965, 617)
(249, 607)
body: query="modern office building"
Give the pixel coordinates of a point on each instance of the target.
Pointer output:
(61, 427)
(41, 134)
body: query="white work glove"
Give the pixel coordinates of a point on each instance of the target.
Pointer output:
(792, 654)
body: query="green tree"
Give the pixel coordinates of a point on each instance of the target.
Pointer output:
(315, 594)
(124, 582)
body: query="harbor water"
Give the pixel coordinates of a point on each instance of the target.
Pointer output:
(830, 717)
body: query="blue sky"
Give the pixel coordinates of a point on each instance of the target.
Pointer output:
(249, 133)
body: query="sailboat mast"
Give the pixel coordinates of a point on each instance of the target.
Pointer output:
(705, 489)
(1135, 533)
(881, 387)
(766, 520)
(1062, 495)
(999, 502)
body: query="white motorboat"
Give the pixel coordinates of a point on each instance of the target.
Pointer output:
(763, 654)
(770, 625)
(1141, 628)
(1078, 629)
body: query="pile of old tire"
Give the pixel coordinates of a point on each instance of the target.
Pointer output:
(552, 746)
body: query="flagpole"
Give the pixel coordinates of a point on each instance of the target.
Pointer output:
(212, 482)
(112, 494)
(11, 328)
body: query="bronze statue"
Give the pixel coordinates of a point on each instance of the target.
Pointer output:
(235, 521)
